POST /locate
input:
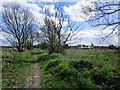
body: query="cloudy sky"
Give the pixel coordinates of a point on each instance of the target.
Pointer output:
(75, 10)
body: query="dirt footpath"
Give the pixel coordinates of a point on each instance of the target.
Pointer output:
(33, 78)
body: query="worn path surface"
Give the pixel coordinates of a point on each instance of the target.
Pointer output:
(33, 76)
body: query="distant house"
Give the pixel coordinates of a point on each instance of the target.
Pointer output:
(73, 47)
(100, 47)
(81, 47)
(85, 47)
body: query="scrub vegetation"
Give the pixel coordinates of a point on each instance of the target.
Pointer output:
(75, 69)
(81, 69)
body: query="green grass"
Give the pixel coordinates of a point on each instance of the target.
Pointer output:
(36, 51)
(14, 65)
(81, 69)
(76, 69)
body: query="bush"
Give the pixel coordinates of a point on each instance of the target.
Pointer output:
(80, 64)
(111, 47)
(65, 72)
(36, 51)
(53, 63)
(114, 82)
(99, 75)
(84, 82)
(7, 55)
(43, 56)
(106, 78)
(43, 45)
(55, 55)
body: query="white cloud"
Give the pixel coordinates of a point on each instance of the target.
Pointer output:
(3, 41)
(19, 0)
(51, 8)
(35, 9)
(48, 0)
(80, 11)
(57, 21)
(1, 35)
(94, 36)
(32, 7)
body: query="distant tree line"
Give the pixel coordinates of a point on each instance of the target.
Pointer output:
(92, 46)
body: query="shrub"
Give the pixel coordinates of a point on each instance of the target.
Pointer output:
(80, 64)
(43, 45)
(6, 55)
(52, 64)
(106, 78)
(100, 75)
(111, 47)
(43, 56)
(114, 82)
(65, 72)
(55, 55)
(36, 51)
(85, 82)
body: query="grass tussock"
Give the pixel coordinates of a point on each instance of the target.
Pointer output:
(81, 69)
(14, 65)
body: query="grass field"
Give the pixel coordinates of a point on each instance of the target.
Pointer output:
(81, 69)
(93, 68)
(14, 65)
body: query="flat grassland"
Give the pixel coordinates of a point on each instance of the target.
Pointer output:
(14, 65)
(93, 68)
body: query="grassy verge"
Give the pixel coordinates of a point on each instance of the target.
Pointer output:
(80, 69)
(14, 65)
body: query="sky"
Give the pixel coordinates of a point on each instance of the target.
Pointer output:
(75, 10)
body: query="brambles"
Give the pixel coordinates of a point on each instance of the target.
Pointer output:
(56, 55)
(80, 64)
(43, 56)
(52, 64)
(81, 70)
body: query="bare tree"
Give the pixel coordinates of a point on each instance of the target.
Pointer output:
(18, 24)
(54, 32)
(107, 14)
(31, 38)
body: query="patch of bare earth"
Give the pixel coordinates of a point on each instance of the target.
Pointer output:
(33, 76)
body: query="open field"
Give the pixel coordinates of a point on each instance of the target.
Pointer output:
(14, 65)
(60, 44)
(76, 69)
(81, 69)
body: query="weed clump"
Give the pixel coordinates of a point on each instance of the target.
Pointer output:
(55, 55)
(36, 51)
(52, 64)
(65, 72)
(80, 64)
(106, 78)
(43, 56)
